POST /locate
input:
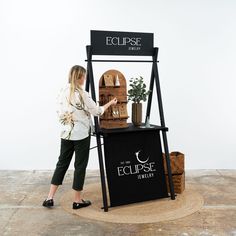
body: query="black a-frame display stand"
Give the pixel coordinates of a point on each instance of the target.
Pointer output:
(135, 44)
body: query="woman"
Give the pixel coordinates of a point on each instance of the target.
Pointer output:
(75, 109)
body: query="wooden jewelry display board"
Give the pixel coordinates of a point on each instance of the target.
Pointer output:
(113, 84)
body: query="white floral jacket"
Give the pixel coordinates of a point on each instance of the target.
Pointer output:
(75, 118)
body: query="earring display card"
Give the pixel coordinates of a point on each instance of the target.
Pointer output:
(123, 111)
(115, 112)
(108, 80)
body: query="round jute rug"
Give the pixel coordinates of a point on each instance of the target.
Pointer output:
(144, 212)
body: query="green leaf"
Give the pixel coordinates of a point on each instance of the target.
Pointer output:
(138, 91)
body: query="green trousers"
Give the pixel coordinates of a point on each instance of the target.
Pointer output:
(68, 147)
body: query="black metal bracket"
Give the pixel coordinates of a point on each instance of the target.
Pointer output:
(121, 61)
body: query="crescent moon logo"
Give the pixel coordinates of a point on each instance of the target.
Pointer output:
(137, 154)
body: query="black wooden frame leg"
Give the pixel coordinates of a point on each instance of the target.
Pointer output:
(90, 81)
(155, 77)
(161, 112)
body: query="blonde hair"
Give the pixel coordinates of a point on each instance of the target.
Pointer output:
(76, 73)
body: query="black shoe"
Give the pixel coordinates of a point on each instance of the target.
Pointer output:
(77, 205)
(48, 203)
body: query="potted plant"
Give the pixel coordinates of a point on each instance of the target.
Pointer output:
(136, 94)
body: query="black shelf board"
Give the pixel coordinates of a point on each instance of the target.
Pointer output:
(131, 128)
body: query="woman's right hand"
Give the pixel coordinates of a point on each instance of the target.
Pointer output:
(113, 101)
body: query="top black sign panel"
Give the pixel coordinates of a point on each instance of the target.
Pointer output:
(121, 43)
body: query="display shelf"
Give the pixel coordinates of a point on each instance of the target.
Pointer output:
(132, 128)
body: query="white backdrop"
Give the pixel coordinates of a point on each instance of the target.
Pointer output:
(41, 40)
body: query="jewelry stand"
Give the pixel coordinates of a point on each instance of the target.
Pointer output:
(98, 132)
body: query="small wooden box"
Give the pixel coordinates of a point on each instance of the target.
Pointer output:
(178, 181)
(176, 162)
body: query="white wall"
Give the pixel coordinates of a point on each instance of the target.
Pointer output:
(41, 40)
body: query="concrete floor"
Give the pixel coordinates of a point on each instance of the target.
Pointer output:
(21, 213)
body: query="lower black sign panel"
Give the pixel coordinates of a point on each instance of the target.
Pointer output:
(134, 167)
